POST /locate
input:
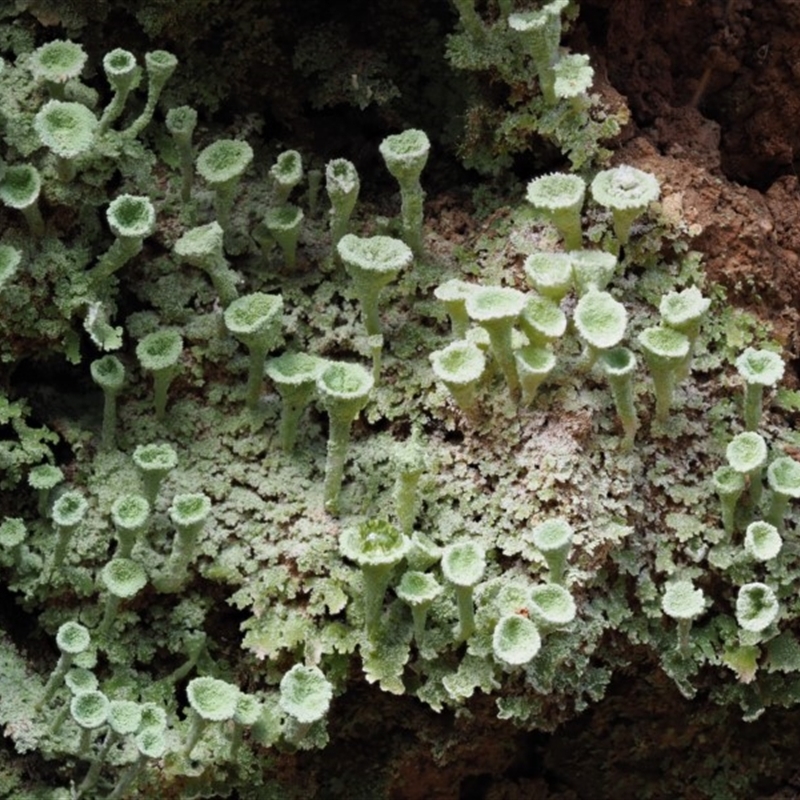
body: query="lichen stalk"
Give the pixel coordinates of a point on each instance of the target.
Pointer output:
(338, 443)
(466, 612)
(753, 405)
(619, 366)
(159, 65)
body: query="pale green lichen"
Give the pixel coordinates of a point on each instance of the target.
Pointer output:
(644, 519)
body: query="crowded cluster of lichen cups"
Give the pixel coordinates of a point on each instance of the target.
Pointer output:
(85, 721)
(499, 335)
(70, 130)
(518, 332)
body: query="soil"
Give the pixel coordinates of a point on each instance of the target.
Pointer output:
(712, 89)
(642, 740)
